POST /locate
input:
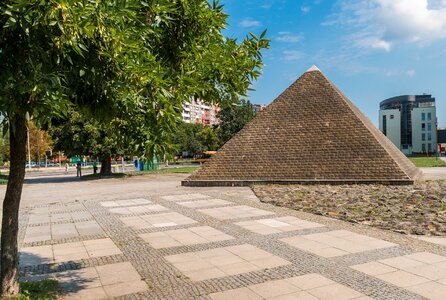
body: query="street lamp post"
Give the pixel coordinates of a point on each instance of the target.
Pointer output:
(27, 136)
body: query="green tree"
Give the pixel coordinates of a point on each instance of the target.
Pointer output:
(39, 142)
(209, 139)
(195, 138)
(233, 118)
(74, 135)
(186, 139)
(4, 147)
(132, 61)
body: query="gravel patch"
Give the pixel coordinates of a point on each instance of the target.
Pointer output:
(419, 209)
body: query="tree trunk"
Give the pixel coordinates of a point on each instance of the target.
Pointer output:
(10, 221)
(106, 166)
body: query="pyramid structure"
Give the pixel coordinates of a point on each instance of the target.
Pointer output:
(311, 133)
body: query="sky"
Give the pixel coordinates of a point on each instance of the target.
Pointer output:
(371, 49)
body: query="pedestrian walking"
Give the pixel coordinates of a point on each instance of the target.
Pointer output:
(66, 168)
(79, 168)
(95, 166)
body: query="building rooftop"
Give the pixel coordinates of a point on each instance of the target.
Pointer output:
(424, 98)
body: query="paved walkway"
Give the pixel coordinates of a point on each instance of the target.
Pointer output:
(438, 173)
(214, 243)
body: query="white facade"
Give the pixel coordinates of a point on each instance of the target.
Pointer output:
(390, 125)
(410, 122)
(424, 129)
(258, 107)
(197, 111)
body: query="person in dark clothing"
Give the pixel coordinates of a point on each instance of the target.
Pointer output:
(79, 168)
(95, 167)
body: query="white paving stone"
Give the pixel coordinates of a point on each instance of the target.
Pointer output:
(336, 243)
(185, 197)
(128, 202)
(276, 225)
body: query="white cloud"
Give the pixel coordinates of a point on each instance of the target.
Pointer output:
(266, 6)
(288, 37)
(374, 43)
(391, 73)
(383, 23)
(250, 23)
(411, 73)
(292, 55)
(305, 9)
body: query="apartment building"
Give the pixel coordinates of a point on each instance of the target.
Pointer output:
(197, 111)
(410, 122)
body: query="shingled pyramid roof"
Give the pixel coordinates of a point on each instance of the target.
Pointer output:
(310, 133)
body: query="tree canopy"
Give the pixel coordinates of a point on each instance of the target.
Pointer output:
(233, 118)
(131, 61)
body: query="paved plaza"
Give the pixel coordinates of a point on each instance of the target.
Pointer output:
(150, 238)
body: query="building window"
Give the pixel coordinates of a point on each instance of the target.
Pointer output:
(423, 147)
(429, 126)
(429, 136)
(429, 147)
(385, 125)
(423, 136)
(423, 126)
(423, 116)
(429, 116)
(405, 147)
(392, 117)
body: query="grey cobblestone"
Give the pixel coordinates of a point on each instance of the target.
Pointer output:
(166, 282)
(60, 222)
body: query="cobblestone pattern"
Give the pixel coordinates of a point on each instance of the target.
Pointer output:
(304, 262)
(23, 221)
(61, 208)
(79, 238)
(60, 222)
(411, 242)
(168, 283)
(369, 256)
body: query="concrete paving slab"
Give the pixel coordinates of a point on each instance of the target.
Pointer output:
(124, 203)
(204, 203)
(157, 220)
(277, 225)
(205, 261)
(184, 237)
(210, 261)
(185, 197)
(139, 209)
(332, 244)
(310, 286)
(235, 212)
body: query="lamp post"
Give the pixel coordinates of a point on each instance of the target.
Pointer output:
(27, 136)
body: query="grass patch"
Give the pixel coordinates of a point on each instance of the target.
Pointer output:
(166, 171)
(427, 162)
(177, 170)
(37, 290)
(3, 179)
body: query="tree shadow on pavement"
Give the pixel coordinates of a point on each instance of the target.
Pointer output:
(70, 282)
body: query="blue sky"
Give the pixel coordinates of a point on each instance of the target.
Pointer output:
(371, 49)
